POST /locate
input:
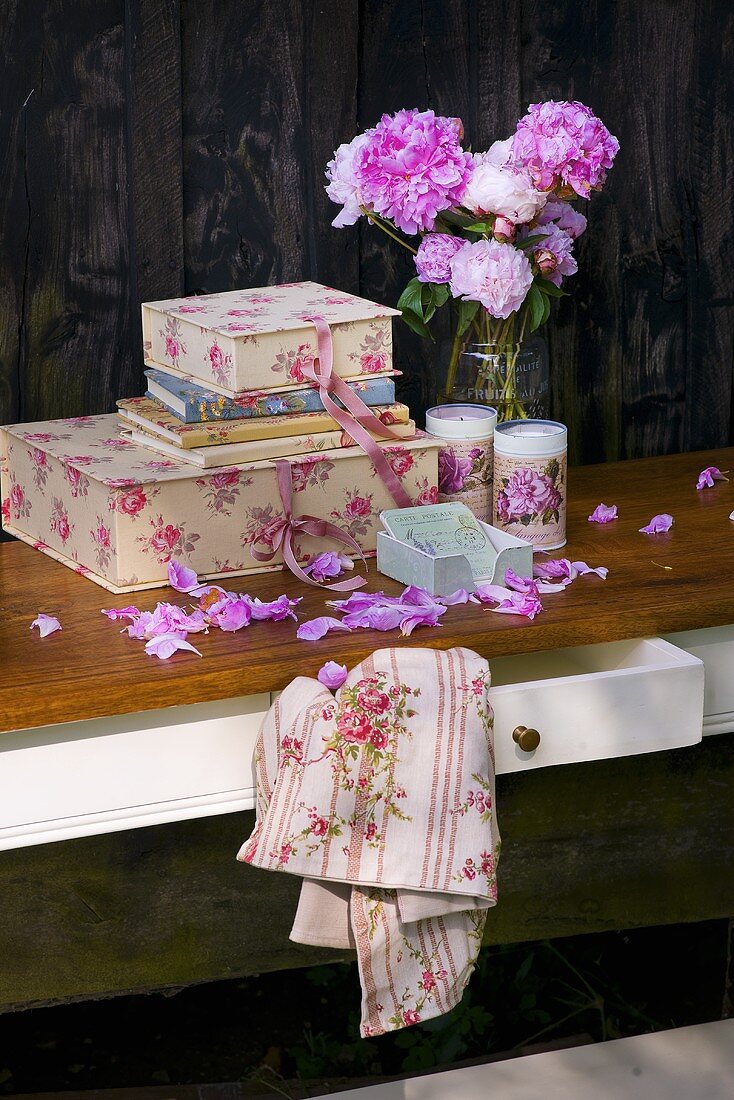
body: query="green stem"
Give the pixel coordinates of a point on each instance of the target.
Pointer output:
(381, 225)
(453, 363)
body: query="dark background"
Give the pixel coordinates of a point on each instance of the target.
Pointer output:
(154, 147)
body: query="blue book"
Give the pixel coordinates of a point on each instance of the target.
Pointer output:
(193, 404)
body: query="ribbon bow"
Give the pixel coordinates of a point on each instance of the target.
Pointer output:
(282, 531)
(355, 418)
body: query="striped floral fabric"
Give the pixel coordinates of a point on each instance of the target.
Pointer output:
(382, 798)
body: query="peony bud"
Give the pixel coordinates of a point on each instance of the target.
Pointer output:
(504, 230)
(546, 261)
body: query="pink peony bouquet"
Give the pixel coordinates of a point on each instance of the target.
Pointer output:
(497, 228)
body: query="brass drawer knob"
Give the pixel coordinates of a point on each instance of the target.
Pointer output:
(526, 739)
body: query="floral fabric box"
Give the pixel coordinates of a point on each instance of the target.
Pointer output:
(261, 339)
(118, 512)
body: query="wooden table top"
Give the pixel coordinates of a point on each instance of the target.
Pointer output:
(90, 670)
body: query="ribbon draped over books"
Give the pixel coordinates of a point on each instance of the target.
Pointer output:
(382, 798)
(358, 421)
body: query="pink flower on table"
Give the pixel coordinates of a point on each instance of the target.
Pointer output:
(411, 1016)
(497, 275)
(411, 167)
(604, 513)
(343, 186)
(165, 645)
(131, 502)
(658, 525)
(46, 624)
(564, 146)
(564, 216)
(329, 564)
(452, 471)
(231, 613)
(433, 259)
(358, 506)
(708, 476)
(332, 675)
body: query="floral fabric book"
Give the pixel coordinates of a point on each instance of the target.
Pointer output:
(261, 339)
(151, 417)
(118, 512)
(254, 451)
(194, 404)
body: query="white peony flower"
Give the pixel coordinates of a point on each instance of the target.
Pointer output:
(498, 187)
(342, 185)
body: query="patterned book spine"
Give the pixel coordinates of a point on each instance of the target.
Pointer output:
(202, 406)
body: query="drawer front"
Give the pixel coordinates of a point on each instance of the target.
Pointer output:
(596, 702)
(129, 770)
(715, 647)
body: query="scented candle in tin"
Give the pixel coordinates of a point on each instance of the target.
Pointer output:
(529, 496)
(466, 459)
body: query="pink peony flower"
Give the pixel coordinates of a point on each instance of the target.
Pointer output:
(411, 167)
(332, 675)
(343, 186)
(502, 189)
(432, 261)
(708, 476)
(603, 513)
(564, 146)
(131, 502)
(558, 245)
(527, 493)
(564, 216)
(358, 507)
(452, 471)
(497, 275)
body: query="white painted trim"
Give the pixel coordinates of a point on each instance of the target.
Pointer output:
(718, 723)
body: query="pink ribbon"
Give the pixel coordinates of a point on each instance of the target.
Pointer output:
(285, 528)
(355, 418)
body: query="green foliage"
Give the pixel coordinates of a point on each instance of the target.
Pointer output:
(418, 303)
(531, 241)
(466, 311)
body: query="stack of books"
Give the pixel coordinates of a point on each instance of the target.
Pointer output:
(213, 424)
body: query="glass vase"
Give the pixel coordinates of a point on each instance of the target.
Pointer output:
(514, 378)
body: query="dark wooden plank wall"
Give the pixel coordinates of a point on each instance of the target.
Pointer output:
(156, 146)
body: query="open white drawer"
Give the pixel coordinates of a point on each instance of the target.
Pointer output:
(715, 647)
(596, 702)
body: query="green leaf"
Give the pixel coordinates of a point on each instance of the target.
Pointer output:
(452, 217)
(478, 227)
(531, 241)
(412, 297)
(535, 303)
(467, 312)
(416, 323)
(546, 310)
(440, 293)
(549, 288)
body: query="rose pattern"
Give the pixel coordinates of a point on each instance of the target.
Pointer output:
(101, 536)
(20, 505)
(60, 524)
(168, 540)
(370, 725)
(453, 470)
(292, 362)
(130, 502)
(221, 490)
(400, 461)
(427, 493)
(77, 480)
(310, 471)
(528, 496)
(220, 364)
(173, 337)
(39, 459)
(375, 351)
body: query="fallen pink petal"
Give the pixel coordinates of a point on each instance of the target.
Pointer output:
(314, 629)
(122, 613)
(332, 675)
(582, 568)
(47, 624)
(708, 476)
(603, 513)
(658, 525)
(165, 645)
(459, 596)
(328, 565)
(181, 577)
(508, 602)
(231, 613)
(276, 610)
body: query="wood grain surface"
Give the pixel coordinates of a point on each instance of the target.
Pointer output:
(152, 146)
(678, 581)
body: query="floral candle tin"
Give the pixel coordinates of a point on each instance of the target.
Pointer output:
(529, 492)
(261, 339)
(465, 460)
